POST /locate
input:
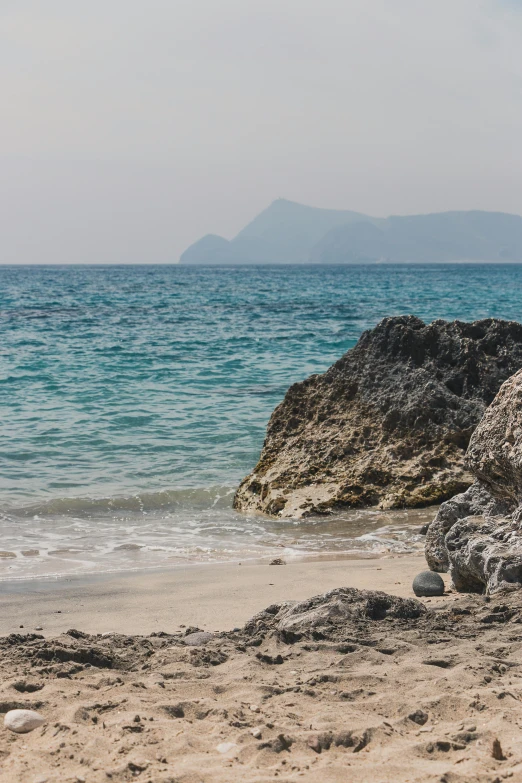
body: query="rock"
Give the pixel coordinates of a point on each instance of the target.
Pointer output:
(277, 561)
(22, 686)
(226, 747)
(280, 743)
(388, 424)
(485, 554)
(23, 721)
(325, 615)
(474, 502)
(496, 751)
(419, 716)
(477, 535)
(495, 450)
(320, 742)
(428, 583)
(198, 639)
(256, 733)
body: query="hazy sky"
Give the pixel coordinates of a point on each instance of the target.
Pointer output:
(132, 127)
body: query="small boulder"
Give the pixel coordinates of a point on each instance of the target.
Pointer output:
(198, 638)
(428, 583)
(23, 721)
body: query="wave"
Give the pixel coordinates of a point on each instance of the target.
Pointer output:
(219, 497)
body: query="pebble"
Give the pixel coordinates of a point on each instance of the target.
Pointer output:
(256, 733)
(226, 747)
(277, 561)
(254, 708)
(496, 751)
(419, 716)
(428, 583)
(22, 721)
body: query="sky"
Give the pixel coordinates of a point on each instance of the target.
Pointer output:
(130, 128)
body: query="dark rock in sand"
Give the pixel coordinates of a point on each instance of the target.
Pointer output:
(428, 583)
(388, 424)
(318, 617)
(477, 536)
(419, 717)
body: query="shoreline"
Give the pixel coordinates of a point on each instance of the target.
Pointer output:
(216, 597)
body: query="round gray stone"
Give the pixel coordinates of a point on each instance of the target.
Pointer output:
(198, 638)
(428, 583)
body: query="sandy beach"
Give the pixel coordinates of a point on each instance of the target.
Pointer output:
(213, 597)
(132, 693)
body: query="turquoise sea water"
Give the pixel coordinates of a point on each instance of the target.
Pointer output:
(134, 399)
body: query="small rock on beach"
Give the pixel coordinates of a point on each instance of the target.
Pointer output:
(226, 747)
(198, 638)
(23, 721)
(428, 583)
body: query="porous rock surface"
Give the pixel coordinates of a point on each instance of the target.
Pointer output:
(476, 501)
(477, 535)
(318, 617)
(388, 424)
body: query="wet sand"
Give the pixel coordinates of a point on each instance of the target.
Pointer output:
(213, 597)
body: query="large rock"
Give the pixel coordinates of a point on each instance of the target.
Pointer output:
(477, 535)
(323, 615)
(476, 501)
(495, 450)
(388, 424)
(485, 554)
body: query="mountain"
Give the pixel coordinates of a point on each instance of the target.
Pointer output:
(284, 233)
(290, 233)
(446, 236)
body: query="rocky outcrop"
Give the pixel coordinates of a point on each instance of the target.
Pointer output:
(477, 536)
(323, 615)
(475, 502)
(388, 424)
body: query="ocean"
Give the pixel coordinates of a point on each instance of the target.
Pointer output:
(133, 399)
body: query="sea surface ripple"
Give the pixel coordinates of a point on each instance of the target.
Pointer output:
(134, 399)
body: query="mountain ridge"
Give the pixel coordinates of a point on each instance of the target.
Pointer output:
(287, 232)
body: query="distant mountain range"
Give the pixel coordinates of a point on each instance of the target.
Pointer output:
(290, 233)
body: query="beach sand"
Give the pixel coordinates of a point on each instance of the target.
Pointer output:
(128, 699)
